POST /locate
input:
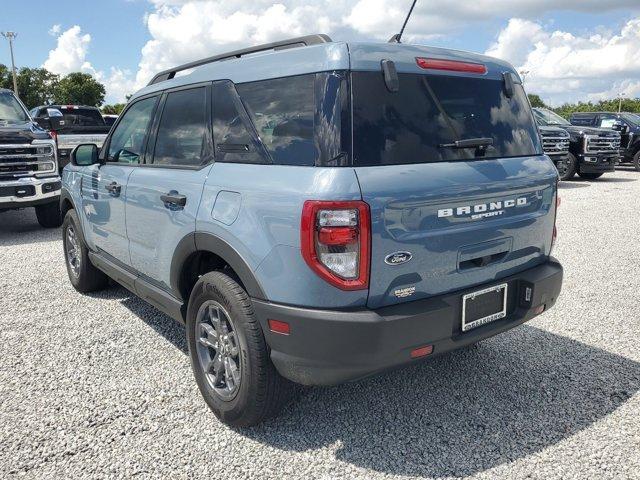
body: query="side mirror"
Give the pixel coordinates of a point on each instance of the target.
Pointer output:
(84, 155)
(620, 127)
(43, 122)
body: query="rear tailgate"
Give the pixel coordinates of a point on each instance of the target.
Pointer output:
(450, 163)
(463, 223)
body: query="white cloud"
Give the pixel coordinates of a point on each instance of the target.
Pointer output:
(55, 30)
(70, 55)
(568, 67)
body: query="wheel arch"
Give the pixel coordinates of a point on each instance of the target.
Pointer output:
(66, 202)
(198, 253)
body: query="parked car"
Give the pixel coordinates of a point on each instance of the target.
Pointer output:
(628, 124)
(71, 125)
(555, 143)
(109, 120)
(28, 163)
(592, 151)
(318, 211)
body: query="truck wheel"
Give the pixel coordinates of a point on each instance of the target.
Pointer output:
(48, 215)
(229, 355)
(82, 274)
(590, 176)
(636, 161)
(567, 167)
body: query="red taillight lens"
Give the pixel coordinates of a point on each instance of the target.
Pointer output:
(554, 235)
(451, 65)
(278, 326)
(334, 240)
(54, 135)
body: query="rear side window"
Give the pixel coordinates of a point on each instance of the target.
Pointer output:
(429, 112)
(182, 131)
(233, 136)
(282, 111)
(82, 117)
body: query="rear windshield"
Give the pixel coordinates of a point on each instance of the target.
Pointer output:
(419, 123)
(85, 117)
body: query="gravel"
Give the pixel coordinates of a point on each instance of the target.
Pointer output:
(100, 385)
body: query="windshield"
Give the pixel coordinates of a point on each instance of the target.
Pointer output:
(632, 118)
(424, 119)
(546, 117)
(10, 109)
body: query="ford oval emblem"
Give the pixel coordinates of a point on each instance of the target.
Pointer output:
(397, 258)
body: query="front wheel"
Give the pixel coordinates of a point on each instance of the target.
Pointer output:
(590, 176)
(229, 355)
(636, 161)
(567, 167)
(48, 215)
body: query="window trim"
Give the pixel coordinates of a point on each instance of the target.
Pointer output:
(103, 155)
(155, 126)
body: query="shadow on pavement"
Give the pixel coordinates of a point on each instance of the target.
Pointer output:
(19, 227)
(568, 184)
(455, 415)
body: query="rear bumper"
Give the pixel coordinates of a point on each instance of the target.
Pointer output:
(328, 347)
(29, 192)
(598, 163)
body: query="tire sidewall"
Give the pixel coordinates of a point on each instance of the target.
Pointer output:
(636, 161)
(72, 219)
(212, 287)
(571, 171)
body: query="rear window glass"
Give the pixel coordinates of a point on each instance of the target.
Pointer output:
(282, 111)
(415, 124)
(84, 117)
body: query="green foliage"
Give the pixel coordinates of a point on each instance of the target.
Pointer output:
(79, 89)
(114, 109)
(36, 86)
(628, 105)
(536, 101)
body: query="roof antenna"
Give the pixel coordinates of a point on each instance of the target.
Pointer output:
(396, 38)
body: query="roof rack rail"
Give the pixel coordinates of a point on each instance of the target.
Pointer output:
(281, 45)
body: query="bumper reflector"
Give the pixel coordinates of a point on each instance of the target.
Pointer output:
(278, 326)
(539, 310)
(422, 351)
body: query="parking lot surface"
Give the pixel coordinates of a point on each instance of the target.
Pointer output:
(100, 385)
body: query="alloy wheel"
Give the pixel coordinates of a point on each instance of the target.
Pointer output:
(73, 251)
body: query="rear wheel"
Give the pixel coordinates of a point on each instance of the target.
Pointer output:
(590, 176)
(82, 274)
(636, 161)
(229, 355)
(567, 167)
(48, 215)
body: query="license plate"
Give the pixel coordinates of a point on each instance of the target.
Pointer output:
(484, 306)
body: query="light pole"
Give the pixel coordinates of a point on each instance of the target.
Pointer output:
(620, 95)
(11, 36)
(523, 74)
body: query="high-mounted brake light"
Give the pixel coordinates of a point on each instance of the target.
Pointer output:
(335, 239)
(451, 65)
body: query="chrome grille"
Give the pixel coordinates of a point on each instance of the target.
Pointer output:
(594, 144)
(21, 160)
(555, 145)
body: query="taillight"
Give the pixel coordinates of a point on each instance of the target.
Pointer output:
(54, 135)
(334, 239)
(451, 65)
(554, 235)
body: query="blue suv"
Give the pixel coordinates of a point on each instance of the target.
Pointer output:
(317, 212)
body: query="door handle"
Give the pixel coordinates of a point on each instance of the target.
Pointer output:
(113, 188)
(173, 200)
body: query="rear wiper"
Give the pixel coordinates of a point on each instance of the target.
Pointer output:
(469, 143)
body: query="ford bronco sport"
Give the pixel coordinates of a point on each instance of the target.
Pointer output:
(317, 212)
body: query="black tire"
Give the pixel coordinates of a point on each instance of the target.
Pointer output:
(49, 215)
(262, 392)
(590, 176)
(636, 161)
(85, 278)
(567, 167)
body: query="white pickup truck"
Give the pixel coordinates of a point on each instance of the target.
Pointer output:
(71, 125)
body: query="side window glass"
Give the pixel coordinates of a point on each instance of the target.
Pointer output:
(283, 111)
(233, 139)
(181, 135)
(127, 142)
(607, 122)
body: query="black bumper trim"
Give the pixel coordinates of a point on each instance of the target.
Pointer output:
(328, 347)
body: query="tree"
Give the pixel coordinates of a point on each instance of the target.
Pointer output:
(114, 109)
(536, 101)
(79, 89)
(36, 86)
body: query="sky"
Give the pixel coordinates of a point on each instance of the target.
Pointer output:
(573, 49)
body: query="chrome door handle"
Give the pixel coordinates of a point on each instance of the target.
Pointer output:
(114, 189)
(173, 200)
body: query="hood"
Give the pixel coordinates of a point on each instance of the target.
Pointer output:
(601, 132)
(21, 132)
(546, 131)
